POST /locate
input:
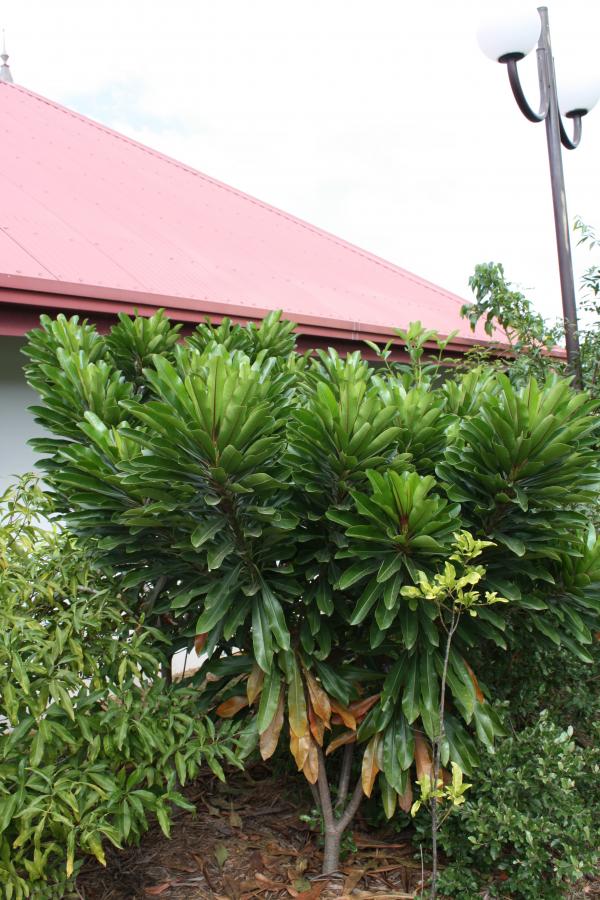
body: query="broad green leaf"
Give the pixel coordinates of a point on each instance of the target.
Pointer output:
(261, 636)
(269, 699)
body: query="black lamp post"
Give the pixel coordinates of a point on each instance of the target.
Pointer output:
(507, 40)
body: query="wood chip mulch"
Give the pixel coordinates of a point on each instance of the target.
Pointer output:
(246, 840)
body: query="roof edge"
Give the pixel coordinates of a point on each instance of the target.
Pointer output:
(22, 291)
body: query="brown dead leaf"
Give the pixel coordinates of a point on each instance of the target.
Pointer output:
(370, 767)
(319, 699)
(255, 683)
(353, 876)
(301, 865)
(270, 736)
(269, 883)
(235, 820)
(478, 691)
(199, 642)
(158, 889)
(360, 708)
(343, 714)
(346, 737)
(230, 707)
(234, 889)
(422, 757)
(314, 893)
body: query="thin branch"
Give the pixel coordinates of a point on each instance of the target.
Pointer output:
(345, 773)
(155, 594)
(350, 811)
(437, 746)
(315, 795)
(324, 793)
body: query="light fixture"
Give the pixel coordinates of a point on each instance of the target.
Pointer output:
(507, 34)
(578, 96)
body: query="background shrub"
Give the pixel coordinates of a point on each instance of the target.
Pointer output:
(529, 826)
(93, 739)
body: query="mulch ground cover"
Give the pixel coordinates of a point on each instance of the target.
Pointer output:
(247, 840)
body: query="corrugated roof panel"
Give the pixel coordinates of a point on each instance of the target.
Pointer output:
(85, 210)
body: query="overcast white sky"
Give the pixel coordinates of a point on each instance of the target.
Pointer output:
(378, 120)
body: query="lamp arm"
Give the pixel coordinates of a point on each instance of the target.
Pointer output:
(568, 142)
(517, 89)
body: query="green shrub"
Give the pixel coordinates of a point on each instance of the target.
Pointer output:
(528, 828)
(278, 510)
(92, 739)
(532, 678)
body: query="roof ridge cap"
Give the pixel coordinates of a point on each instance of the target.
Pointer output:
(290, 217)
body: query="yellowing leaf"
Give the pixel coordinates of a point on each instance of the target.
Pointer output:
(70, 852)
(318, 697)
(299, 748)
(370, 767)
(405, 800)
(311, 766)
(270, 736)
(422, 757)
(230, 707)
(95, 845)
(346, 737)
(221, 854)
(343, 714)
(297, 703)
(255, 683)
(316, 724)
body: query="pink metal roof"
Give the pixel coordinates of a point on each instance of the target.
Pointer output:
(93, 221)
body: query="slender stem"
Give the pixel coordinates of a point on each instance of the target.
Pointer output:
(437, 746)
(154, 594)
(352, 808)
(344, 782)
(324, 793)
(315, 795)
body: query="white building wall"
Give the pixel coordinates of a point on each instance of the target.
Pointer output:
(16, 423)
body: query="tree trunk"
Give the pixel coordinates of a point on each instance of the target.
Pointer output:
(331, 851)
(334, 829)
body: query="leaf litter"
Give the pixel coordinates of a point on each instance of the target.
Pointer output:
(246, 840)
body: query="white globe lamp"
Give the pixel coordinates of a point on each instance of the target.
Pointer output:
(507, 31)
(576, 97)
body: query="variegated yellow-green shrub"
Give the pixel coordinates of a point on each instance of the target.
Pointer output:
(272, 509)
(92, 738)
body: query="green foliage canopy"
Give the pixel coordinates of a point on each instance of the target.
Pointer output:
(271, 507)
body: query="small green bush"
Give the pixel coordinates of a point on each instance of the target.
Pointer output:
(533, 678)
(93, 741)
(528, 828)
